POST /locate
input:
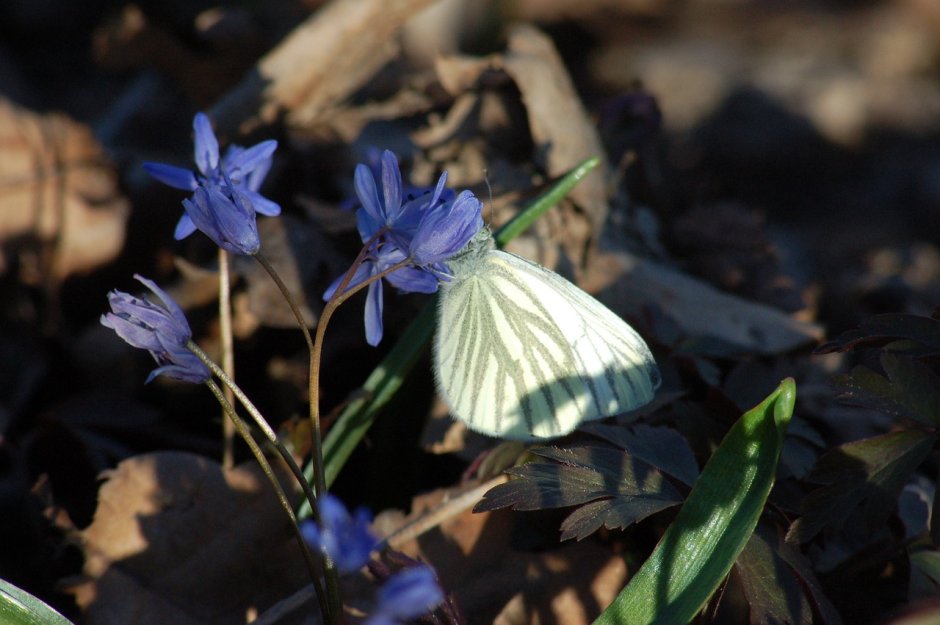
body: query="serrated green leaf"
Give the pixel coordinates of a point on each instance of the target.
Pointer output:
(872, 471)
(911, 389)
(802, 568)
(661, 447)
(18, 607)
(888, 327)
(715, 523)
(613, 488)
(387, 378)
(915, 386)
(773, 593)
(863, 386)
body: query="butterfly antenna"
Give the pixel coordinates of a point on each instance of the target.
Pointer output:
(489, 190)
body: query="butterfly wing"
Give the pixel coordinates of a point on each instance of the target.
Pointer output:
(521, 353)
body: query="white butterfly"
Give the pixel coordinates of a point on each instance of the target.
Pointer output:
(523, 354)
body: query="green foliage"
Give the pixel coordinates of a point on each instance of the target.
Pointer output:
(613, 487)
(18, 607)
(870, 472)
(715, 523)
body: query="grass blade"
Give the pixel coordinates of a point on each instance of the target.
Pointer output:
(18, 607)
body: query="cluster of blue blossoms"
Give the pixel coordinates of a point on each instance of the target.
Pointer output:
(346, 539)
(161, 330)
(225, 198)
(424, 229)
(412, 230)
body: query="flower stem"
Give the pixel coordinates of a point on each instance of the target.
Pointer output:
(340, 295)
(261, 423)
(312, 568)
(228, 355)
(313, 380)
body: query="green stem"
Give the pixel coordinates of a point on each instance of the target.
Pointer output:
(313, 379)
(243, 430)
(262, 424)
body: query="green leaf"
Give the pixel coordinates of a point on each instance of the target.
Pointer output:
(18, 607)
(713, 526)
(802, 569)
(925, 574)
(779, 583)
(872, 471)
(888, 327)
(773, 593)
(661, 447)
(916, 387)
(617, 488)
(911, 390)
(387, 378)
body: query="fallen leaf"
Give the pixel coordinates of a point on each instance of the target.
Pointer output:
(323, 61)
(628, 284)
(60, 208)
(177, 539)
(561, 128)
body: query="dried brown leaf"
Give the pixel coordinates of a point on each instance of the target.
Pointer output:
(561, 128)
(628, 284)
(177, 539)
(59, 203)
(324, 60)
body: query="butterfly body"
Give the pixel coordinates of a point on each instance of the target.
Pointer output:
(523, 354)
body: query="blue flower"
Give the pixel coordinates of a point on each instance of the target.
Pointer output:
(226, 216)
(424, 230)
(407, 279)
(408, 594)
(444, 230)
(346, 539)
(161, 330)
(239, 173)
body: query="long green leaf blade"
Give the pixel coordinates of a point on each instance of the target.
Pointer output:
(18, 607)
(700, 547)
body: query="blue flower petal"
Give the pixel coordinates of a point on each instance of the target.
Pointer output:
(425, 230)
(408, 594)
(362, 274)
(345, 538)
(170, 175)
(391, 187)
(445, 231)
(184, 227)
(413, 280)
(206, 150)
(161, 330)
(368, 195)
(249, 159)
(225, 192)
(262, 204)
(141, 337)
(228, 221)
(176, 313)
(373, 314)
